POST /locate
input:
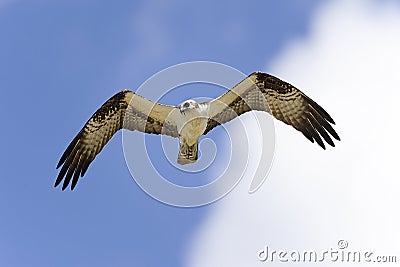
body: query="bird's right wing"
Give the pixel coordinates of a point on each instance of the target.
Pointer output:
(125, 110)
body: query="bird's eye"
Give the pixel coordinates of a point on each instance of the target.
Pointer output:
(186, 105)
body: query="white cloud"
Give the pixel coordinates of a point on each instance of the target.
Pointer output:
(312, 198)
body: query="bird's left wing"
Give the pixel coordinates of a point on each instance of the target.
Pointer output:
(125, 110)
(264, 92)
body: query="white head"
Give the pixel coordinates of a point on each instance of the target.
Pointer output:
(188, 105)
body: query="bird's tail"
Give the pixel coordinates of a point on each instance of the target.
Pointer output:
(187, 153)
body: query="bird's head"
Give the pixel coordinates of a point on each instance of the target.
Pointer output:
(188, 105)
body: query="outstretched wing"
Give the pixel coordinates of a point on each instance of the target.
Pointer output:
(124, 110)
(264, 92)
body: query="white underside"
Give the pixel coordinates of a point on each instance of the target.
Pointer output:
(192, 124)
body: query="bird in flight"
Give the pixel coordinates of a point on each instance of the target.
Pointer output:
(190, 120)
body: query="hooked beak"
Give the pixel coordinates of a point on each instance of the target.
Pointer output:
(182, 110)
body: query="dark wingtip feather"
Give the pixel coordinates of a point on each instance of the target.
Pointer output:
(336, 136)
(76, 174)
(86, 163)
(320, 142)
(307, 136)
(59, 164)
(333, 133)
(320, 110)
(65, 184)
(62, 160)
(62, 172)
(69, 149)
(315, 135)
(321, 130)
(58, 181)
(324, 123)
(72, 169)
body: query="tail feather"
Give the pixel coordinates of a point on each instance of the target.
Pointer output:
(187, 154)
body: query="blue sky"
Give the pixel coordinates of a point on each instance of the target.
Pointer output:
(59, 61)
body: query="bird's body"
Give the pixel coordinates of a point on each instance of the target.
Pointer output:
(191, 124)
(190, 120)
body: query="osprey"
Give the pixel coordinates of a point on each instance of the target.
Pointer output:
(190, 120)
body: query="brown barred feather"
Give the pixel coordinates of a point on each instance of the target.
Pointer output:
(284, 101)
(112, 116)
